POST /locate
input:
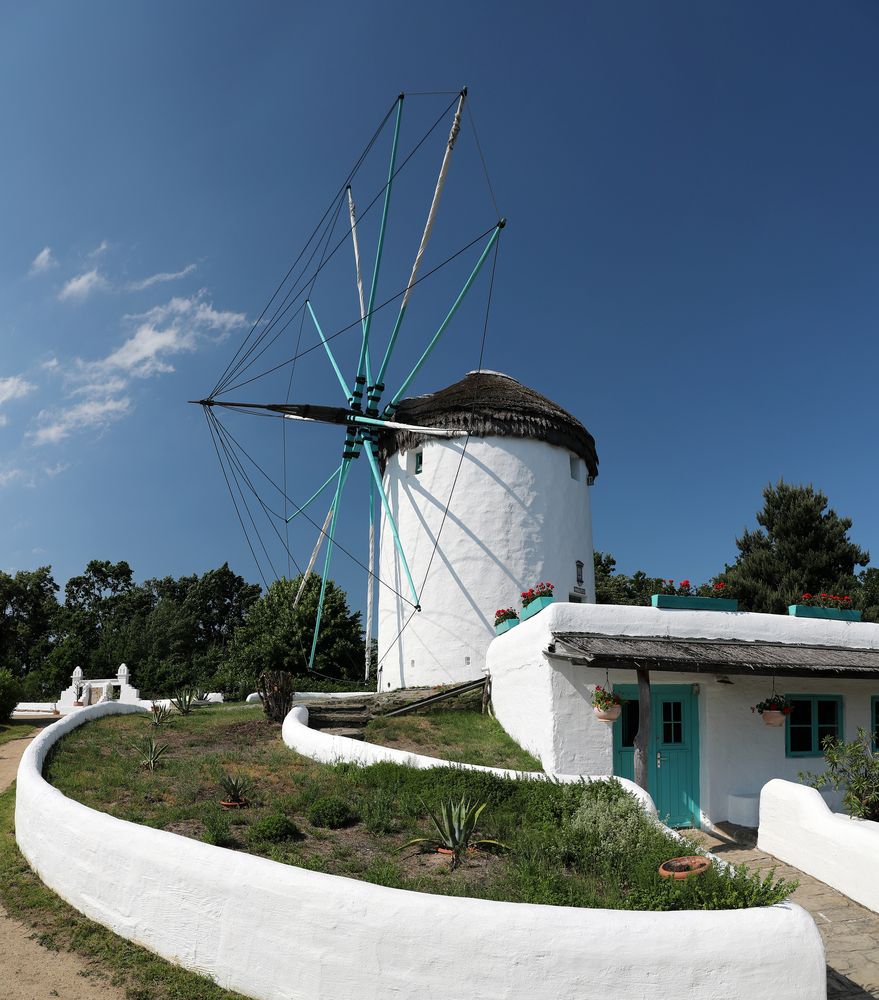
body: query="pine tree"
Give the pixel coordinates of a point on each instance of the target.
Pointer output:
(800, 547)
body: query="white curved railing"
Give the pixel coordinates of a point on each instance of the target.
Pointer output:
(275, 932)
(798, 827)
(328, 748)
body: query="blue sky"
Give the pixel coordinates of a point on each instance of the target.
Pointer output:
(689, 267)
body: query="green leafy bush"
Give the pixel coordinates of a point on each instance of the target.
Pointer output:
(217, 830)
(331, 812)
(10, 695)
(853, 768)
(273, 829)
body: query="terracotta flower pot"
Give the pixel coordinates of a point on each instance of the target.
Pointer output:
(773, 718)
(679, 868)
(233, 805)
(607, 714)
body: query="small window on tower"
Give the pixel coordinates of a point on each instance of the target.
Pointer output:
(419, 462)
(575, 467)
(414, 462)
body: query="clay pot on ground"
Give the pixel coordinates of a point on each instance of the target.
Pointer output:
(678, 868)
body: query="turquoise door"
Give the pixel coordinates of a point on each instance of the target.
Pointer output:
(673, 774)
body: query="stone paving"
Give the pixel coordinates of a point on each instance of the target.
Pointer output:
(850, 932)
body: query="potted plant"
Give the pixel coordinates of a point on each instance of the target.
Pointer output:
(606, 705)
(504, 620)
(825, 605)
(536, 599)
(236, 788)
(774, 709)
(708, 597)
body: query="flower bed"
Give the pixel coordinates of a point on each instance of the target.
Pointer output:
(275, 930)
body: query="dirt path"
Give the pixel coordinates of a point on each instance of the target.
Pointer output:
(27, 970)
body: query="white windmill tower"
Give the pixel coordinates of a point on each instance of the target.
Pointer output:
(481, 516)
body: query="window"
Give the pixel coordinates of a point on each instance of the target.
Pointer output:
(629, 719)
(579, 572)
(575, 599)
(419, 462)
(874, 718)
(414, 462)
(813, 719)
(575, 467)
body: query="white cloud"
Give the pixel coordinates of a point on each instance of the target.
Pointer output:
(51, 365)
(97, 389)
(43, 261)
(93, 414)
(55, 470)
(155, 279)
(101, 248)
(14, 387)
(8, 476)
(83, 285)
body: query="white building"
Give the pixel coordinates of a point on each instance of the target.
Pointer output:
(709, 754)
(481, 517)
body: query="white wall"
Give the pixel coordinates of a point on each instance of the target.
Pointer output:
(275, 932)
(330, 749)
(797, 827)
(517, 517)
(543, 702)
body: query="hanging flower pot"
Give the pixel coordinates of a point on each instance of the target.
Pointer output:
(608, 714)
(773, 709)
(606, 704)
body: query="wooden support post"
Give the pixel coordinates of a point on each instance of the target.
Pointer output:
(642, 740)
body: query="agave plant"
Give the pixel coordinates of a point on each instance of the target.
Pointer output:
(150, 753)
(184, 700)
(159, 715)
(454, 828)
(236, 787)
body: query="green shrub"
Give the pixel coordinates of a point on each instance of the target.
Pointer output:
(217, 830)
(273, 829)
(854, 768)
(378, 813)
(10, 695)
(331, 812)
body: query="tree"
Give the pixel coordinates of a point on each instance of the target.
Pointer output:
(28, 619)
(277, 636)
(617, 588)
(800, 546)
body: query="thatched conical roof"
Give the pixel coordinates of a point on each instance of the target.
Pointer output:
(491, 404)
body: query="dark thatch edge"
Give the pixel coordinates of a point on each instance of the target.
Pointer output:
(488, 404)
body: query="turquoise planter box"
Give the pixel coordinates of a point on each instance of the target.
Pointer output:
(538, 604)
(505, 626)
(694, 603)
(807, 611)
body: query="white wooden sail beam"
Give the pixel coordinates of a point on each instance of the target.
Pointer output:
(376, 391)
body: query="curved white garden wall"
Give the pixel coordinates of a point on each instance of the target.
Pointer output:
(517, 517)
(331, 749)
(276, 932)
(797, 827)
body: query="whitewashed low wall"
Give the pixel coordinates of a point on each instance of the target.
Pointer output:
(275, 932)
(331, 749)
(797, 827)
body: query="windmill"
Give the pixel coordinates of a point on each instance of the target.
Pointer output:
(367, 404)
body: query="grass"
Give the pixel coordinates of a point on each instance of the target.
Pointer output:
(17, 729)
(467, 736)
(580, 845)
(56, 925)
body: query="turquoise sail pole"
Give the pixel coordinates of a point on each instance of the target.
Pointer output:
(329, 352)
(376, 475)
(363, 366)
(314, 495)
(344, 468)
(392, 405)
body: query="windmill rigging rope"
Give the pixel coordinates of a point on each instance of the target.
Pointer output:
(228, 376)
